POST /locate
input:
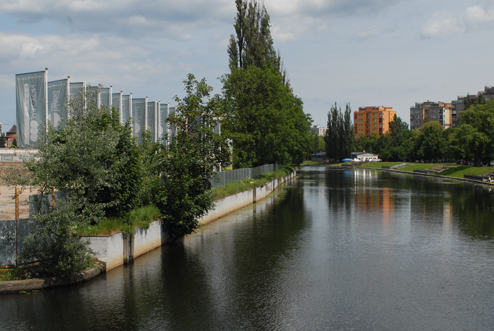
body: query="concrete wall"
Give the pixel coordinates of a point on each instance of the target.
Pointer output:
(108, 249)
(146, 240)
(119, 248)
(12, 234)
(231, 203)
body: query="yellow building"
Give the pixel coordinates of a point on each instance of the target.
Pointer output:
(372, 120)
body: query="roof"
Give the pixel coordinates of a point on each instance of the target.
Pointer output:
(13, 130)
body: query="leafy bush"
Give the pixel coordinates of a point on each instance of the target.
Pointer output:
(55, 243)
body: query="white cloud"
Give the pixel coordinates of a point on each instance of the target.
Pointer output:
(166, 18)
(446, 24)
(372, 31)
(100, 59)
(328, 8)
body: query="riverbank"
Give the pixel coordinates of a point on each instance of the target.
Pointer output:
(121, 248)
(34, 285)
(441, 170)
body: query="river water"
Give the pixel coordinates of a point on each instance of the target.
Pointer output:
(332, 250)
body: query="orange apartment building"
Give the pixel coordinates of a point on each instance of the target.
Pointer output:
(370, 120)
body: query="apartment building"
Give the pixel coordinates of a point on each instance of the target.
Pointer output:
(318, 130)
(372, 120)
(430, 111)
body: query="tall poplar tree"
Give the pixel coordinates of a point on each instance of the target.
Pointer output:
(262, 116)
(339, 136)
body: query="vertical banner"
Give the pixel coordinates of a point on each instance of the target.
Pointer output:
(117, 103)
(58, 101)
(139, 117)
(105, 97)
(126, 108)
(217, 127)
(162, 124)
(171, 128)
(93, 96)
(76, 89)
(31, 108)
(151, 119)
(76, 92)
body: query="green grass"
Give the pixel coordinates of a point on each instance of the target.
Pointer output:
(378, 165)
(420, 166)
(456, 171)
(8, 274)
(138, 218)
(460, 170)
(249, 183)
(308, 163)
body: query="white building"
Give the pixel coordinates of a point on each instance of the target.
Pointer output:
(320, 131)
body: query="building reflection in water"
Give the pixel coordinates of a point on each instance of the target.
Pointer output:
(372, 198)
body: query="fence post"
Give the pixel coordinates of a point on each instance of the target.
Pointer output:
(52, 198)
(16, 203)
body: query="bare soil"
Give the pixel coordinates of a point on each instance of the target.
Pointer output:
(7, 194)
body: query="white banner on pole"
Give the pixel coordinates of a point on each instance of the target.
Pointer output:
(139, 108)
(171, 128)
(126, 108)
(105, 97)
(162, 124)
(76, 89)
(93, 96)
(151, 119)
(58, 99)
(117, 103)
(31, 106)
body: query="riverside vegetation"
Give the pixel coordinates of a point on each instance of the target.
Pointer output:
(111, 183)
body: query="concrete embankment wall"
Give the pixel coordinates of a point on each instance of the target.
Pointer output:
(120, 248)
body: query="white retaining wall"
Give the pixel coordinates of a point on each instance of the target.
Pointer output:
(109, 249)
(145, 240)
(231, 203)
(119, 249)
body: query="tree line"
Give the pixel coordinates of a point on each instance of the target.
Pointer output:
(472, 140)
(103, 172)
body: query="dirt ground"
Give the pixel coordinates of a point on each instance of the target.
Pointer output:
(7, 203)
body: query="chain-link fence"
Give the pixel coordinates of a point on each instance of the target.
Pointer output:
(227, 177)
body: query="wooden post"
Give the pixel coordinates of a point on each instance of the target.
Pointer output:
(16, 203)
(52, 198)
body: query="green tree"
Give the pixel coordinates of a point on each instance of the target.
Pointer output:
(397, 126)
(3, 140)
(56, 244)
(431, 143)
(252, 44)
(183, 192)
(263, 118)
(474, 136)
(96, 164)
(339, 134)
(93, 157)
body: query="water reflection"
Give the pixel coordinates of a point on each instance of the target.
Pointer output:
(336, 249)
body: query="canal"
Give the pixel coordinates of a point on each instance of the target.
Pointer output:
(331, 250)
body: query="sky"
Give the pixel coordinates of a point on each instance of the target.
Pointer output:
(389, 53)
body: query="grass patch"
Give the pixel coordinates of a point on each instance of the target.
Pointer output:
(9, 274)
(459, 171)
(456, 171)
(420, 166)
(139, 218)
(378, 165)
(309, 163)
(250, 183)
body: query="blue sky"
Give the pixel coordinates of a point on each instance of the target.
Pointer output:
(366, 52)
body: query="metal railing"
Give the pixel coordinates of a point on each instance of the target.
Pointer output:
(227, 177)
